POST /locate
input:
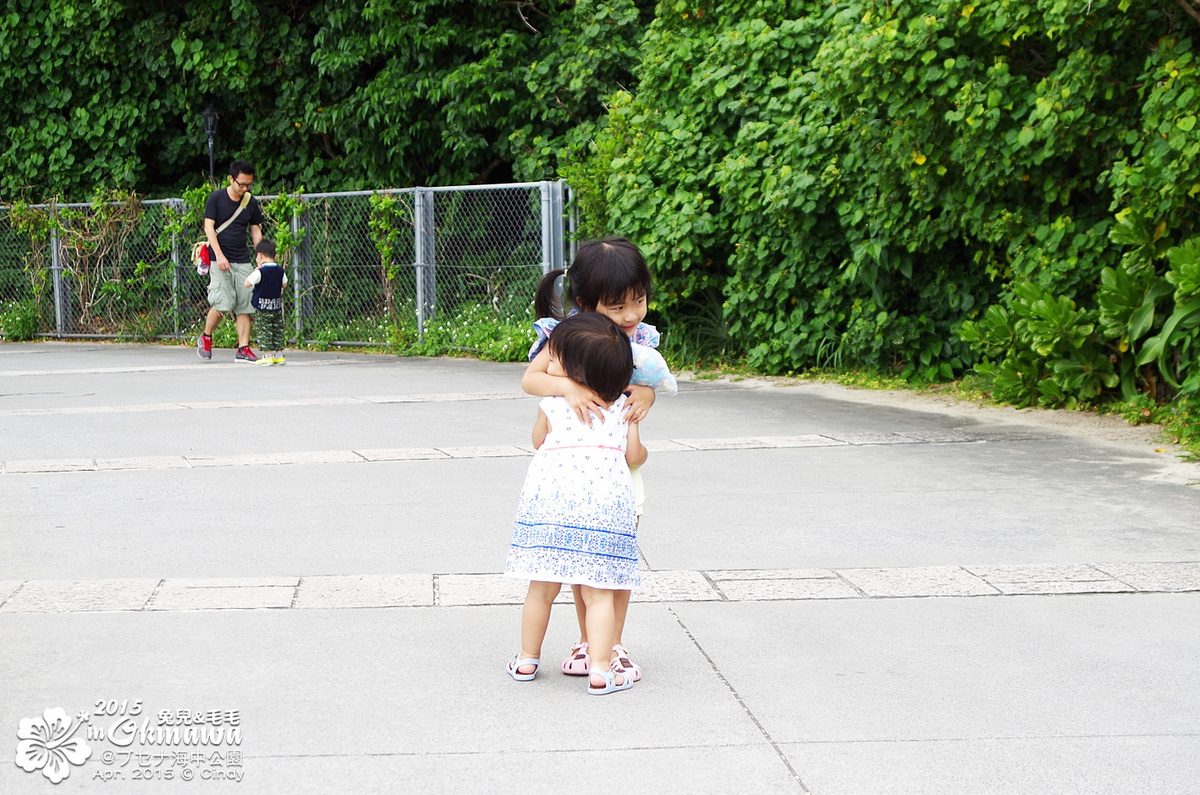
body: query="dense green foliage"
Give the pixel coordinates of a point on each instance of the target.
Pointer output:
(920, 186)
(325, 94)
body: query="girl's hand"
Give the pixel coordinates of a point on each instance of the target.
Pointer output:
(583, 401)
(538, 381)
(641, 398)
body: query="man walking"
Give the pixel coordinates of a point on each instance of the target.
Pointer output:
(228, 214)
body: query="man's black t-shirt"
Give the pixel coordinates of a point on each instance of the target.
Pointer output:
(219, 208)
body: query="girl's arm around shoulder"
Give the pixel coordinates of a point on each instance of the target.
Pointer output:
(541, 427)
(536, 380)
(635, 452)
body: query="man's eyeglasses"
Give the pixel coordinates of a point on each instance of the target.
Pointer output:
(246, 185)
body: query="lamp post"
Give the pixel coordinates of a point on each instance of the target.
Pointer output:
(210, 115)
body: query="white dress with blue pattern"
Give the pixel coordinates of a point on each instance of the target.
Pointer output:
(575, 521)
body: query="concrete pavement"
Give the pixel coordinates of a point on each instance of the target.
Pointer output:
(845, 592)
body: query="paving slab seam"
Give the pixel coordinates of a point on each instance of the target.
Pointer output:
(662, 586)
(508, 752)
(742, 703)
(158, 368)
(142, 463)
(998, 739)
(365, 400)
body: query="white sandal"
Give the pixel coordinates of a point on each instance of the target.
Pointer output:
(610, 682)
(515, 664)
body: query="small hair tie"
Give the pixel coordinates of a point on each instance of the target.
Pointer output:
(560, 294)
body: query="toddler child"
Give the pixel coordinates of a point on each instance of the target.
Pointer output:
(268, 280)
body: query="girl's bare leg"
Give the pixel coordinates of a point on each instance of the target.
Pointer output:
(580, 611)
(620, 609)
(621, 603)
(600, 621)
(535, 618)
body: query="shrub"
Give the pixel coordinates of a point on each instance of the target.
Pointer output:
(19, 321)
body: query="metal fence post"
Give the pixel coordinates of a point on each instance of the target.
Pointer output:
(176, 276)
(553, 219)
(425, 259)
(547, 252)
(62, 288)
(301, 272)
(557, 219)
(573, 220)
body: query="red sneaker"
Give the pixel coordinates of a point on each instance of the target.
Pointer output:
(204, 347)
(244, 354)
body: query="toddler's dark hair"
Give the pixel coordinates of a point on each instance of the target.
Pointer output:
(595, 352)
(603, 271)
(266, 248)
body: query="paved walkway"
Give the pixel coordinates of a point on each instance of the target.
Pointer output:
(844, 592)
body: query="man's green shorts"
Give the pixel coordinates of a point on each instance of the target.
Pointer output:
(227, 290)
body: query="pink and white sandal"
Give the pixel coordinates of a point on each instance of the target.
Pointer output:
(622, 664)
(578, 662)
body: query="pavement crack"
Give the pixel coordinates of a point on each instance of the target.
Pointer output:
(858, 590)
(716, 588)
(153, 595)
(742, 703)
(10, 597)
(642, 555)
(1116, 578)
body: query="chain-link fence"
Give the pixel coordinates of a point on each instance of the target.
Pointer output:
(365, 267)
(88, 270)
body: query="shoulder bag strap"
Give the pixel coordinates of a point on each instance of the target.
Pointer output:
(236, 213)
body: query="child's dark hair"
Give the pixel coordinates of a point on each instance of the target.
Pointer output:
(603, 271)
(594, 351)
(266, 248)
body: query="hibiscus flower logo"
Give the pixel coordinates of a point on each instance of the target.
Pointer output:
(48, 744)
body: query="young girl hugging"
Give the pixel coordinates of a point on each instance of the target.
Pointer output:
(575, 519)
(607, 277)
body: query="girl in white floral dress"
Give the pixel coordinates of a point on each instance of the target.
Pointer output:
(575, 520)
